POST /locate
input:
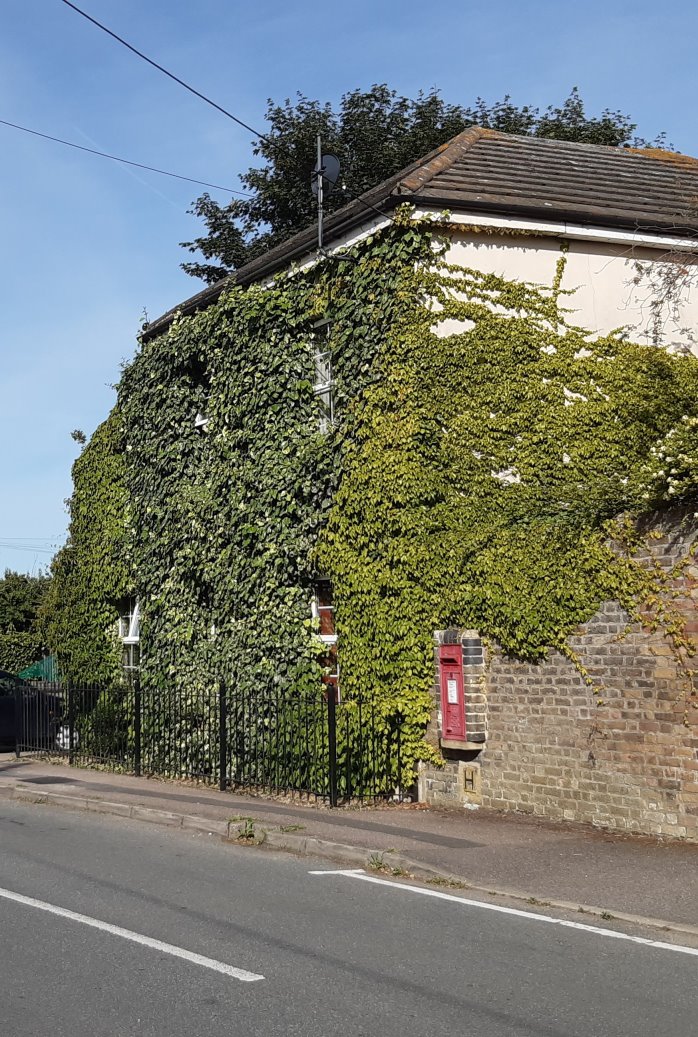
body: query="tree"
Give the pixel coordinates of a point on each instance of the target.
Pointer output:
(374, 133)
(20, 599)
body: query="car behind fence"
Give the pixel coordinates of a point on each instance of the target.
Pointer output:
(275, 742)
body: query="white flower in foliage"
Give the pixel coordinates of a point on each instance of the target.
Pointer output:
(678, 455)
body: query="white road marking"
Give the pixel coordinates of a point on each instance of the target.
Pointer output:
(531, 916)
(127, 934)
(344, 871)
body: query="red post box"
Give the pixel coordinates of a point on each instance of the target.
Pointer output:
(452, 693)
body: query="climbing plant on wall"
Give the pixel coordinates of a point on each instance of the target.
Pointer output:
(226, 515)
(482, 448)
(91, 573)
(483, 475)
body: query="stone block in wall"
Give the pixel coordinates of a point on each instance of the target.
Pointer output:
(457, 784)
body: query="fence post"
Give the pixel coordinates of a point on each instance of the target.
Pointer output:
(71, 723)
(18, 719)
(222, 737)
(399, 719)
(332, 742)
(137, 726)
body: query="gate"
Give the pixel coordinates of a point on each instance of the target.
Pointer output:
(239, 740)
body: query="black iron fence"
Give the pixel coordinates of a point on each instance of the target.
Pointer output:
(273, 742)
(87, 722)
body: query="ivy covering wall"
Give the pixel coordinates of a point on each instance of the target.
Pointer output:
(225, 521)
(471, 478)
(92, 573)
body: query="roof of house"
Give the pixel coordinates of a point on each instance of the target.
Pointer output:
(484, 171)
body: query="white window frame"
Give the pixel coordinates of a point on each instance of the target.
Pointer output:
(201, 418)
(323, 384)
(130, 635)
(329, 640)
(131, 659)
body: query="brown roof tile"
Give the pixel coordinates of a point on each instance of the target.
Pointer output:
(650, 189)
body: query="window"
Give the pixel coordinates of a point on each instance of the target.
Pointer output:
(323, 610)
(200, 379)
(130, 621)
(201, 419)
(130, 634)
(131, 657)
(323, 383)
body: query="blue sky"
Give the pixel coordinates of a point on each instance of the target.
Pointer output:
(89, 244)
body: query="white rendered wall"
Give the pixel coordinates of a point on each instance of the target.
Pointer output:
(602, 274)
(600, 266)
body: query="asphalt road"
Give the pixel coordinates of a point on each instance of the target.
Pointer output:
(338, 954)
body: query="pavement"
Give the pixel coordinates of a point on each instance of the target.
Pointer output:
(571, 867)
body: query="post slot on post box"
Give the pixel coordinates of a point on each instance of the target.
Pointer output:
(452, 692)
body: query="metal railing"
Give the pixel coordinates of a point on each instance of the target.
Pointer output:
(236, 739)
(88, 723)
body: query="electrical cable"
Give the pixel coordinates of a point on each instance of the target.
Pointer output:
(33, 550)
(261, 136)
(373, 208)
(125, 161)
(171, 75)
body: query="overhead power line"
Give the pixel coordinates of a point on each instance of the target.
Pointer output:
(31, 543)
(124, 161)
(261, 136)
(373, 208)
(32, 550)
(171, 75)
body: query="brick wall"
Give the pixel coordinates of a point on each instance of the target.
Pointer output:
(624, 759)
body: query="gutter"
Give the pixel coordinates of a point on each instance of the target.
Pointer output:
(592, 232)
(658, 233)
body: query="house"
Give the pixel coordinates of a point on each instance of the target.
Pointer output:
(406, 456)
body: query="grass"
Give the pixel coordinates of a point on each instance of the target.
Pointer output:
(376, 862)
(438, 880)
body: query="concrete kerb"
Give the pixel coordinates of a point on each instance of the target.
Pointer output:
(305, 845)
(205, 825)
